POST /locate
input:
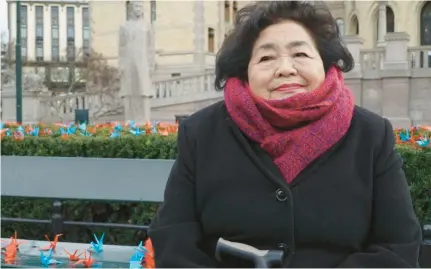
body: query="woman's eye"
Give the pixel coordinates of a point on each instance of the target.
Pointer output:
(300, 54)
(266, 58)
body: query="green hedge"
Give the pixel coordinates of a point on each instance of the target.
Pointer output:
(417, 165)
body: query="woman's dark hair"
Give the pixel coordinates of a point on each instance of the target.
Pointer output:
(234, 55)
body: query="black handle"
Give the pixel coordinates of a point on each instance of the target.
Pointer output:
(260, 258)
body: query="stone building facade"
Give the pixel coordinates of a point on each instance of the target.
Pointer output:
(185, 27)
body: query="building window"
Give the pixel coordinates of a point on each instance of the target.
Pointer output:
(55, 53)
(354, 26)
(70, 33)
(24, 15)
(210, 40)
(86, 31)
(340, 23)
(426, 25)
(234, 8)
(153, 10)
(426, 34)
(226, 11)
(39, 33)
(390, 20)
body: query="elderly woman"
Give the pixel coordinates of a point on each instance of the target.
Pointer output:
(286, 161)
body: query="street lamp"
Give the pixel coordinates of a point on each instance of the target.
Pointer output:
(18, 64)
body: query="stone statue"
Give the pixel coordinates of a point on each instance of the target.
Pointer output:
(135, 10)
(136, 63)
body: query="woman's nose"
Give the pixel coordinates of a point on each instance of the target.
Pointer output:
(285, 67)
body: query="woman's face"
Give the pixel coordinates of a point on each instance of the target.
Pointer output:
(284, 62)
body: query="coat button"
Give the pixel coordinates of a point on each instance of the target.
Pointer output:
(281, 195)
(283, 247)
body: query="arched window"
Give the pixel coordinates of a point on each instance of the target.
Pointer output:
(390, 20)
(426, 25)
(390, 24)
(340, 23)
(211, 40)
(227, 11)
(354, 26)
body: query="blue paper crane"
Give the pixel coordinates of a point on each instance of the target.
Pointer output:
(20, 129)
(132, 124)
(118, 128)
(141, 248)
(83, 127)
(115, 134)
(137, 131)
(34, 131)
(97, 246)
(137, 257)
(154, 129)
(68, 130)
(405, 136)
(424, 142)
(47, 260)
(136, 260)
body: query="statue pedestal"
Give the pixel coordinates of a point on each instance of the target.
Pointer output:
(137, 108)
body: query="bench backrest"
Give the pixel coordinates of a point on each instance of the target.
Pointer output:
(85, 178)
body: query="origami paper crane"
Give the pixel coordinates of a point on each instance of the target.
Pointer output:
(141, 248)
(405, 136)
(87, 262)
(115, 134)
(97, 246)
(52, 244)
(423, 142)
(73, 256)
(33, 131)
(131, 124)
(118, 128)
(47, 260)
(135, 261)
(138, 256)
(137, 131)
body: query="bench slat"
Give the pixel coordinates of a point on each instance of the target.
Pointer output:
(85, 178)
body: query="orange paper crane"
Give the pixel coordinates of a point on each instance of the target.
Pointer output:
(52, 244)
(11, 251)
(149, 256)
(86, 262)
(13, 241)
(73, 257)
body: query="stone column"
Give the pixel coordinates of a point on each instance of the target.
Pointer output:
(382, 24)
(199, 33)
(353, 78)
(396, 80)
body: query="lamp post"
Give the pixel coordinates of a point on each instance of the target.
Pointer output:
(18, 64)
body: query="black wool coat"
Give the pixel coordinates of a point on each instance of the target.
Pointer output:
(350, 208)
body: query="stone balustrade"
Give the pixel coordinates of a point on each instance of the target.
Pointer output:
(392, 81)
